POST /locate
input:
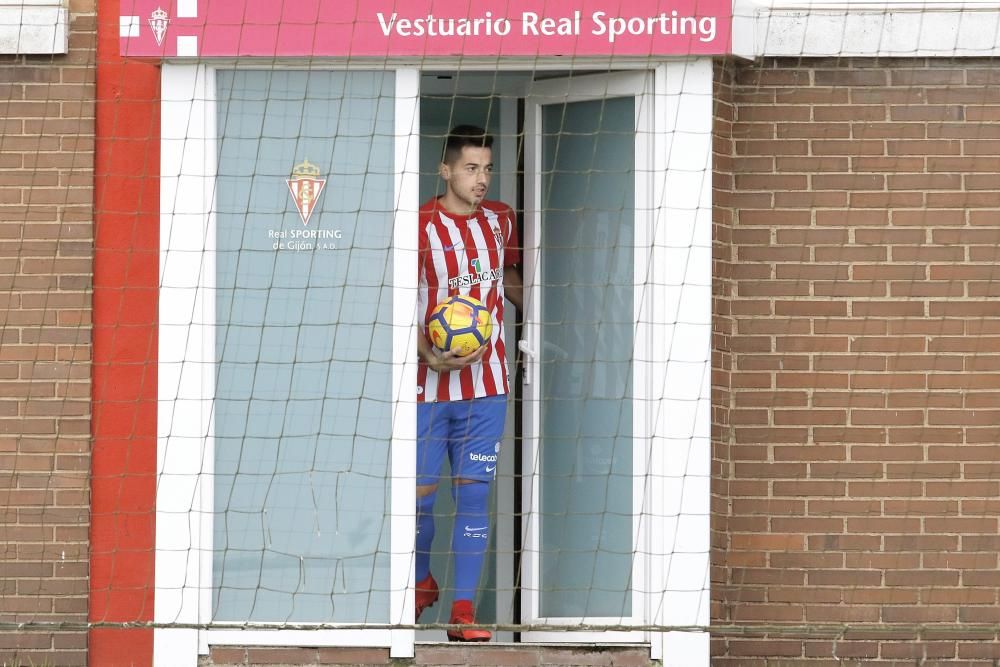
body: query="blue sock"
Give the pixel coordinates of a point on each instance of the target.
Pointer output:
(425, 535)
(470, 536)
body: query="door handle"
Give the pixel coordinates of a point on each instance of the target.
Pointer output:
(530, 355)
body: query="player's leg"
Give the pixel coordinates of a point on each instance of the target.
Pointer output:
(474, 454)
(432, 443)
(470, 536)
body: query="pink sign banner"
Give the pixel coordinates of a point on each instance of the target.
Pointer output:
(424, 28)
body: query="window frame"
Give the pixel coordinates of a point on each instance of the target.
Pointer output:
(186, 383)
(184, 504)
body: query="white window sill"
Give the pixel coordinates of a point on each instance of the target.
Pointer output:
(33, 27)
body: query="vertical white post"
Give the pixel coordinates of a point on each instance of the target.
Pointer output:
(531, 405)
(403, 460)
(683, 281)
(186, 356)
(644, 344)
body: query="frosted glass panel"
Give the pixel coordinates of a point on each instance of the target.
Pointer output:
(303, 403)
(587, 325)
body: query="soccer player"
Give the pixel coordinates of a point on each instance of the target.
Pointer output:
(468, 245)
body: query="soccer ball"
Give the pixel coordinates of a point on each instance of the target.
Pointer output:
(459, 323)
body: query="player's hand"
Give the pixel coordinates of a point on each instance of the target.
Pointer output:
(451, 361)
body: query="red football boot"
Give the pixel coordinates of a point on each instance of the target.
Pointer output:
(426, 596)
(462, 613)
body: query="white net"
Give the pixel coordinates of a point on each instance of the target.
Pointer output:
(755, 291)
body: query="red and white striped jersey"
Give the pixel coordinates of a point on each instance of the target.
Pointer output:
(466, 255)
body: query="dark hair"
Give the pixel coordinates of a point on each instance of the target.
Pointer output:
(462, 136)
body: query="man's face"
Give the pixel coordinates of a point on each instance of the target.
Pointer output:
(468, 177)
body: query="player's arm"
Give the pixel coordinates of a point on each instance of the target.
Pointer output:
(445, 361)
(513, 288)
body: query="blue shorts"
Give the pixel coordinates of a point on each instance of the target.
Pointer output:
(469, 431)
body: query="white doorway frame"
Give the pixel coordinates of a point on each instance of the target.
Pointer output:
(677, 590)
(672, 359)
(509, 88)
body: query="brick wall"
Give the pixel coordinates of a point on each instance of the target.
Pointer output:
(864, 474)
(46, 203)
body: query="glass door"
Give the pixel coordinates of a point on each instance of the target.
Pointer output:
(588, 203)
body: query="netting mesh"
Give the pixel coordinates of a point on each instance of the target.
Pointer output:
(300, 312)
(751, 382)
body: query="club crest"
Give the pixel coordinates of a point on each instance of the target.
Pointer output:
(158, 22)
(305, 186)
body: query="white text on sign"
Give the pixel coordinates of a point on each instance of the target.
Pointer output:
(534, 25)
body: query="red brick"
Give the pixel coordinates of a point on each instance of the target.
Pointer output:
(848, 182)
(846, 362)
(924, 181)
(791, 163)
(883, 200)
(927, 112)
(812, 130)
(351, 656)
(848, 147)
